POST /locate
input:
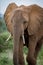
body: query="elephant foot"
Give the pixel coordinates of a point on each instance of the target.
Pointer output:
(21, 62)
(18, 63)
(31, 61)
(31, 64)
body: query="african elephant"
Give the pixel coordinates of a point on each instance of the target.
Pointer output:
(27, 21)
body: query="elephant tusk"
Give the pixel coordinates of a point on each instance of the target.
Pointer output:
(23, 39)
(8, 38)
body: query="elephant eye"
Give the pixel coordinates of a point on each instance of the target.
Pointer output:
(24, 22)
(6, 24)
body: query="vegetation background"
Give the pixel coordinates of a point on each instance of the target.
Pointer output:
(6, 48)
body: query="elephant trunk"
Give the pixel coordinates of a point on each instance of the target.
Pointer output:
(18, 50)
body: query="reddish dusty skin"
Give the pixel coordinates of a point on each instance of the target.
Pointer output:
(27, 20)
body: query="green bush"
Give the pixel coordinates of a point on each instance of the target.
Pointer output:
(5, 61)
(3, 43)
(2, 25)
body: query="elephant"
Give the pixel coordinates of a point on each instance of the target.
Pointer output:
(26, 27)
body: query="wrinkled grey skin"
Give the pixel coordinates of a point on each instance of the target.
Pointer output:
(27, 21)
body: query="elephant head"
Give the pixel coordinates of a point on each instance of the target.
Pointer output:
(29, 18)
(8, 16)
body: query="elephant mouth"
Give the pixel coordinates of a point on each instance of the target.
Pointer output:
(26, 37)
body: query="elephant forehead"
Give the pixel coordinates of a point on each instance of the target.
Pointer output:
(17, 15)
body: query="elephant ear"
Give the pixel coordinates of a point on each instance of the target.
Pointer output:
(35, 22)
(8, 15)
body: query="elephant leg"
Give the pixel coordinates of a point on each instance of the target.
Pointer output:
(30, 57)
(37, 49)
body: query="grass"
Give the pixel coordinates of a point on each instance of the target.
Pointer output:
(7, 53)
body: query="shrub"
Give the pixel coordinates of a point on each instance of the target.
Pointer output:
(3, 43)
